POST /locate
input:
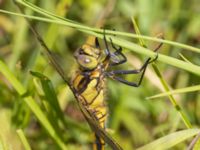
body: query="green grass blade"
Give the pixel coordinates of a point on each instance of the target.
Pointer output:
(49, 93)
(31, 104)
(170, 140)
(184, 58)
(172, 99)
(95, 31)
(23, 139)
(138, 49)
(82, 27)
(197, 145)
(51, 97)
(77, 25)
(137, 31)
(9, 75)
(177, 91)
(129, 45)
(162, 58)
(54, 28)
(53, 110)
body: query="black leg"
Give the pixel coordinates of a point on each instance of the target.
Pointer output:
(112, 74)
(118, 50)
(114, 56)
(106, 44)
(97, 45)
(136, 71)
(152, 60)
(135, 84)
(115, 60)
(148, 61)
(107, 51)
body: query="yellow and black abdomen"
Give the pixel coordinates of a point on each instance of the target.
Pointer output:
(90, 89)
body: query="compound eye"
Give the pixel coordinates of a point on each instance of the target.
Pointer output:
(87, 60)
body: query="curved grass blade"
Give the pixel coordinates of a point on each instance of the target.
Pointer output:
(177, 91)
(83, 27)
(51, 105)
(55, 113)
(134, 47)
(184, 58)
(49, 94)
(170, 140)
(176, 106)
(23, 139)
(31, 104)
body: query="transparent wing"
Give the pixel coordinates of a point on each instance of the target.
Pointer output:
(87, 114)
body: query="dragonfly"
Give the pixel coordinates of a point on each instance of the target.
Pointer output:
(88, 83)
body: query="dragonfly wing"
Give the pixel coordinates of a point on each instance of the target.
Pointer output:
(87, 114)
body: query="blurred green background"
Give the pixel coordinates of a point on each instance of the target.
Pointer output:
(133, 120)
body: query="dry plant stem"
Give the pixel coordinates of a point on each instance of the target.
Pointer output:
(191, 146)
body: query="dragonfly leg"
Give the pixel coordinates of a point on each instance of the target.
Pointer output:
(97, 45)
(136, 71)
(106, 43)
(112, 74)
(135, 84)
(117, 53)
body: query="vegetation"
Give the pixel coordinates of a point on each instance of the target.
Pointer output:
(38, 110)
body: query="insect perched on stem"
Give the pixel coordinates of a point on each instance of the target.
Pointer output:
(88, 83)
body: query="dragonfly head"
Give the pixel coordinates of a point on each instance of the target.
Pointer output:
(87, 57)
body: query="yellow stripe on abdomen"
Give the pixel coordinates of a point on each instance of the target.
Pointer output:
(92, 97)
(95, 101)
